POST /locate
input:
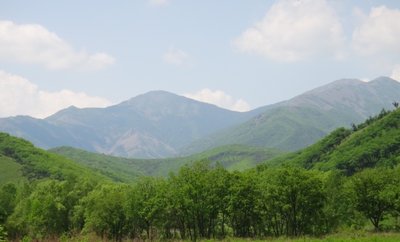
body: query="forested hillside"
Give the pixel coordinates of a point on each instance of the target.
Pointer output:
(20, 160)
(231, 157)
(314, 192)
(376, 142)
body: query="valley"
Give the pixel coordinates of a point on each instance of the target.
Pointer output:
(234, 190)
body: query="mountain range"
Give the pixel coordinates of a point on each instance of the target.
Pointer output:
(373, 143)
(161, 124)
(304, 119)
(153, 125)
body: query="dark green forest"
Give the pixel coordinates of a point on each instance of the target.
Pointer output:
(348, 180)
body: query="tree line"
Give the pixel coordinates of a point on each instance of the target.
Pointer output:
(203, 201)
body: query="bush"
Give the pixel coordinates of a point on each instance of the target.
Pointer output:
(3, 234)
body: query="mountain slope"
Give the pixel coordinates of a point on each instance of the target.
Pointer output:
(302, 120)
(152, 125)
(376, 142)
(233, 157)
(20, 160)
(159, 124)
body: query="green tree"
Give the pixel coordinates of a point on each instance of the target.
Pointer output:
(375, 193)
(242, 205)
(8, 195)
(104, 211)
(198, 201)
(145, 206)
(293, 200)
(44, 212)
(191, 197)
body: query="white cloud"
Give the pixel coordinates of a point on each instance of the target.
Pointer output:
(396, 73)
(220, 99)
(158, 3)
(294, 30)
(378, 33)
(175, 56)
(18, 96)
(34, 44)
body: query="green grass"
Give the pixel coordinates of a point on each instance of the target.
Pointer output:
(341, 237)
(349, 237)
(10, 171)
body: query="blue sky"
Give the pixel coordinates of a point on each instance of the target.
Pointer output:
(236, 54)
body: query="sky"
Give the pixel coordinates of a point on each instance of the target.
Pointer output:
(236, 54)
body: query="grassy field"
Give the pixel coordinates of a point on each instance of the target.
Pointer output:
(342, 237)
(350, 237)
(10, 171)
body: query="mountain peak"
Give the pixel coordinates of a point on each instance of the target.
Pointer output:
(156, 94)
(156, 97)
(382, 80)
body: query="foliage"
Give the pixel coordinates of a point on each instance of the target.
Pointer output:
(47, 210)
(3, 234)
(8, 194)
(376, 192)
(203, 200)
(232, 157)
(104, 211)
(34, 163)
(293, 200)
(374, 143)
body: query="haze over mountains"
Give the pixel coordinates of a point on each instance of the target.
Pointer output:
(304, 119)
(161, 124)
(152, 125)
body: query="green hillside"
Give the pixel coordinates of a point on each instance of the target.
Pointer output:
(376, 142)
(316, 201)
(10, 170)
(232, 157)
(117, 168)
(160, 124)
(20, 160)
(303, 120)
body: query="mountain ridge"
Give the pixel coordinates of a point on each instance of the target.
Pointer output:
(160, 124)
(152, 125)
(315, 113)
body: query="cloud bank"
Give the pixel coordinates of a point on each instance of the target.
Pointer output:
(175, 56)
(18, 96)
(396, 73)
(378, 32)
(294, 30)
(34, 44)
(158, 3)
(220, 99)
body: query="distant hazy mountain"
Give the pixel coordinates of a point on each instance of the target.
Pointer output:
(302, 120)
(152, 125)
(160, 124)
